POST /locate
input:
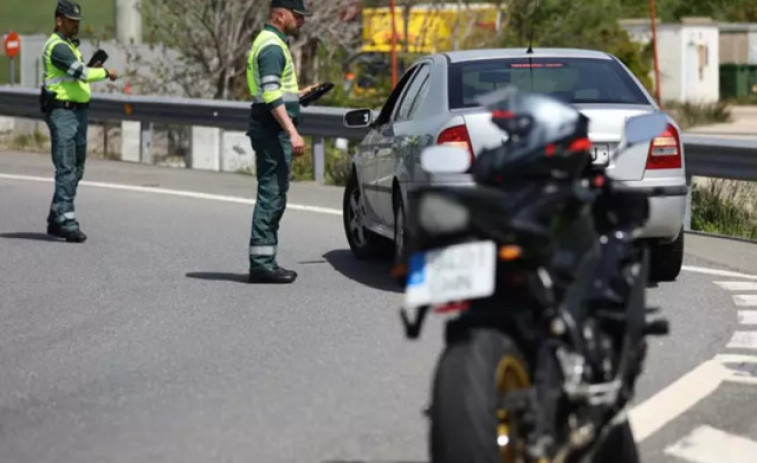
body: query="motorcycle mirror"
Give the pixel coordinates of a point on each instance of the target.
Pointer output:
(644, 128)
(438, 215)
(441, 159)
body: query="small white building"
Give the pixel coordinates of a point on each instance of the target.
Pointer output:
(689, 57)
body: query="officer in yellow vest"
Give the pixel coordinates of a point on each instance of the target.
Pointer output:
(273, 132)
(65, 99)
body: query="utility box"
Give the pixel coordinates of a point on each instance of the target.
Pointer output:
(689, 57)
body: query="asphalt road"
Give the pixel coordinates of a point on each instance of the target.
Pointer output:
(145, 344)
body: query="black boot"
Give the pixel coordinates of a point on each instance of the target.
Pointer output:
(72, 236)
(290, 272)
(275, 276)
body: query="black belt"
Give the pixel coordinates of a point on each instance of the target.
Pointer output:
(57, 104)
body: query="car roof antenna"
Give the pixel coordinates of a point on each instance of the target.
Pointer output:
(530, 50)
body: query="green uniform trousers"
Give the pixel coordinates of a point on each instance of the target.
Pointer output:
(68, 139)
(273, 158)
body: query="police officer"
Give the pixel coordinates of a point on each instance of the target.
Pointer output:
(65, 99)
(273, 132)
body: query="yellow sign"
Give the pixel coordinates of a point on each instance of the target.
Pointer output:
(430, 28)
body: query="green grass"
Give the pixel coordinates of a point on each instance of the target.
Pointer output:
(336, 170)
(689, 114)
(36, 141)
(725, 207)
(37, 17)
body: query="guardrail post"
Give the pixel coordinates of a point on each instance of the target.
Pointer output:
(206, 148)
(145, 153)
(131, 141)
(319, 159)
(687, 216)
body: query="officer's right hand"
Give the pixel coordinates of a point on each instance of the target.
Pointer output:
(298, 144)
(112, 74)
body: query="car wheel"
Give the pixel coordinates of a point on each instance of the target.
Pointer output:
(400, 240)
(364, 244)
(666, 259)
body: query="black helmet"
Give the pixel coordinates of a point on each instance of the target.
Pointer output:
(545, 137)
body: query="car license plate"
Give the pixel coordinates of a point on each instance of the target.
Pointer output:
(455, 273)
(600, 154)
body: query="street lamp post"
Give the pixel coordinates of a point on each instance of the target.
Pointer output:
(654, 51)
(393, 6)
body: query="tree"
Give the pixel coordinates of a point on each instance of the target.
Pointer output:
(204, 44)
(591, 24)
(674, 10)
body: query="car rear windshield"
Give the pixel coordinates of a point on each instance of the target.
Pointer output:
(575, 80)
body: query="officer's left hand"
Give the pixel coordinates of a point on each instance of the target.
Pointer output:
(298, 144)
(307, 89)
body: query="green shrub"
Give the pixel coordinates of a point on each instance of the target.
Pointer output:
(690, 114)
(725, 207)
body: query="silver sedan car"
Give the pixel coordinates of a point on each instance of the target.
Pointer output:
(434, 102)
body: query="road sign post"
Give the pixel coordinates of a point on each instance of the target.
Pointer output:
(12, 44)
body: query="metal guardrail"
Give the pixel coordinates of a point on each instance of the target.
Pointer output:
(705, 155)
(231, 115)
(709, 156)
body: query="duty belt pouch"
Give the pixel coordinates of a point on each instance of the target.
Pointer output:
(46, 100)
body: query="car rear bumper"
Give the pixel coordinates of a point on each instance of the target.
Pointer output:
(667, 207)
(667, 202)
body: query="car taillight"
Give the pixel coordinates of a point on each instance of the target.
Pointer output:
(457, 136)
(665, 151)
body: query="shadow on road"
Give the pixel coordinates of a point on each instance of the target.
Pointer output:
(374, 273)
(366, 461)
(30, 236)
(219, 276)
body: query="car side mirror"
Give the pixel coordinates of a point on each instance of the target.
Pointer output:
(441, 159)
(358, 118)
(644, 128)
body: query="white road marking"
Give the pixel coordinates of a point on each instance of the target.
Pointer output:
(709, 445)
(739, 368)
(657, 411)
(737, 285)
(743, 340)
(723, 273)
(746, 300)
(181, 193)
(748, 317)
(654, 413)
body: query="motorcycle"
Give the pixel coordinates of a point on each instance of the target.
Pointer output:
(537, 266)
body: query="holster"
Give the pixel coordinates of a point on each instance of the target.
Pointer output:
(46, 100)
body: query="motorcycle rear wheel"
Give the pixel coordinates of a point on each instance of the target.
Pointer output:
(467, 423)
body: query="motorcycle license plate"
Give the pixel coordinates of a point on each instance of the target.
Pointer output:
(455, 273)
(600, 154)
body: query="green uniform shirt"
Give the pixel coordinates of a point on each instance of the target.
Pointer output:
(70, 79)
(271, 61)
(271, 67)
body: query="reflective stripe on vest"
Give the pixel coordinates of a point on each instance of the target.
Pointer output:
(259, 85)
(60, 82)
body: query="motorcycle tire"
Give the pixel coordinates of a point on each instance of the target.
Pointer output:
(618, 447)
(471, 376)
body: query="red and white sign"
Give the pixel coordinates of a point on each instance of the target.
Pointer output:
(12, 44)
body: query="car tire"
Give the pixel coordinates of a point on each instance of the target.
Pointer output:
(666, 259)
(364, 244)
(400, 238)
